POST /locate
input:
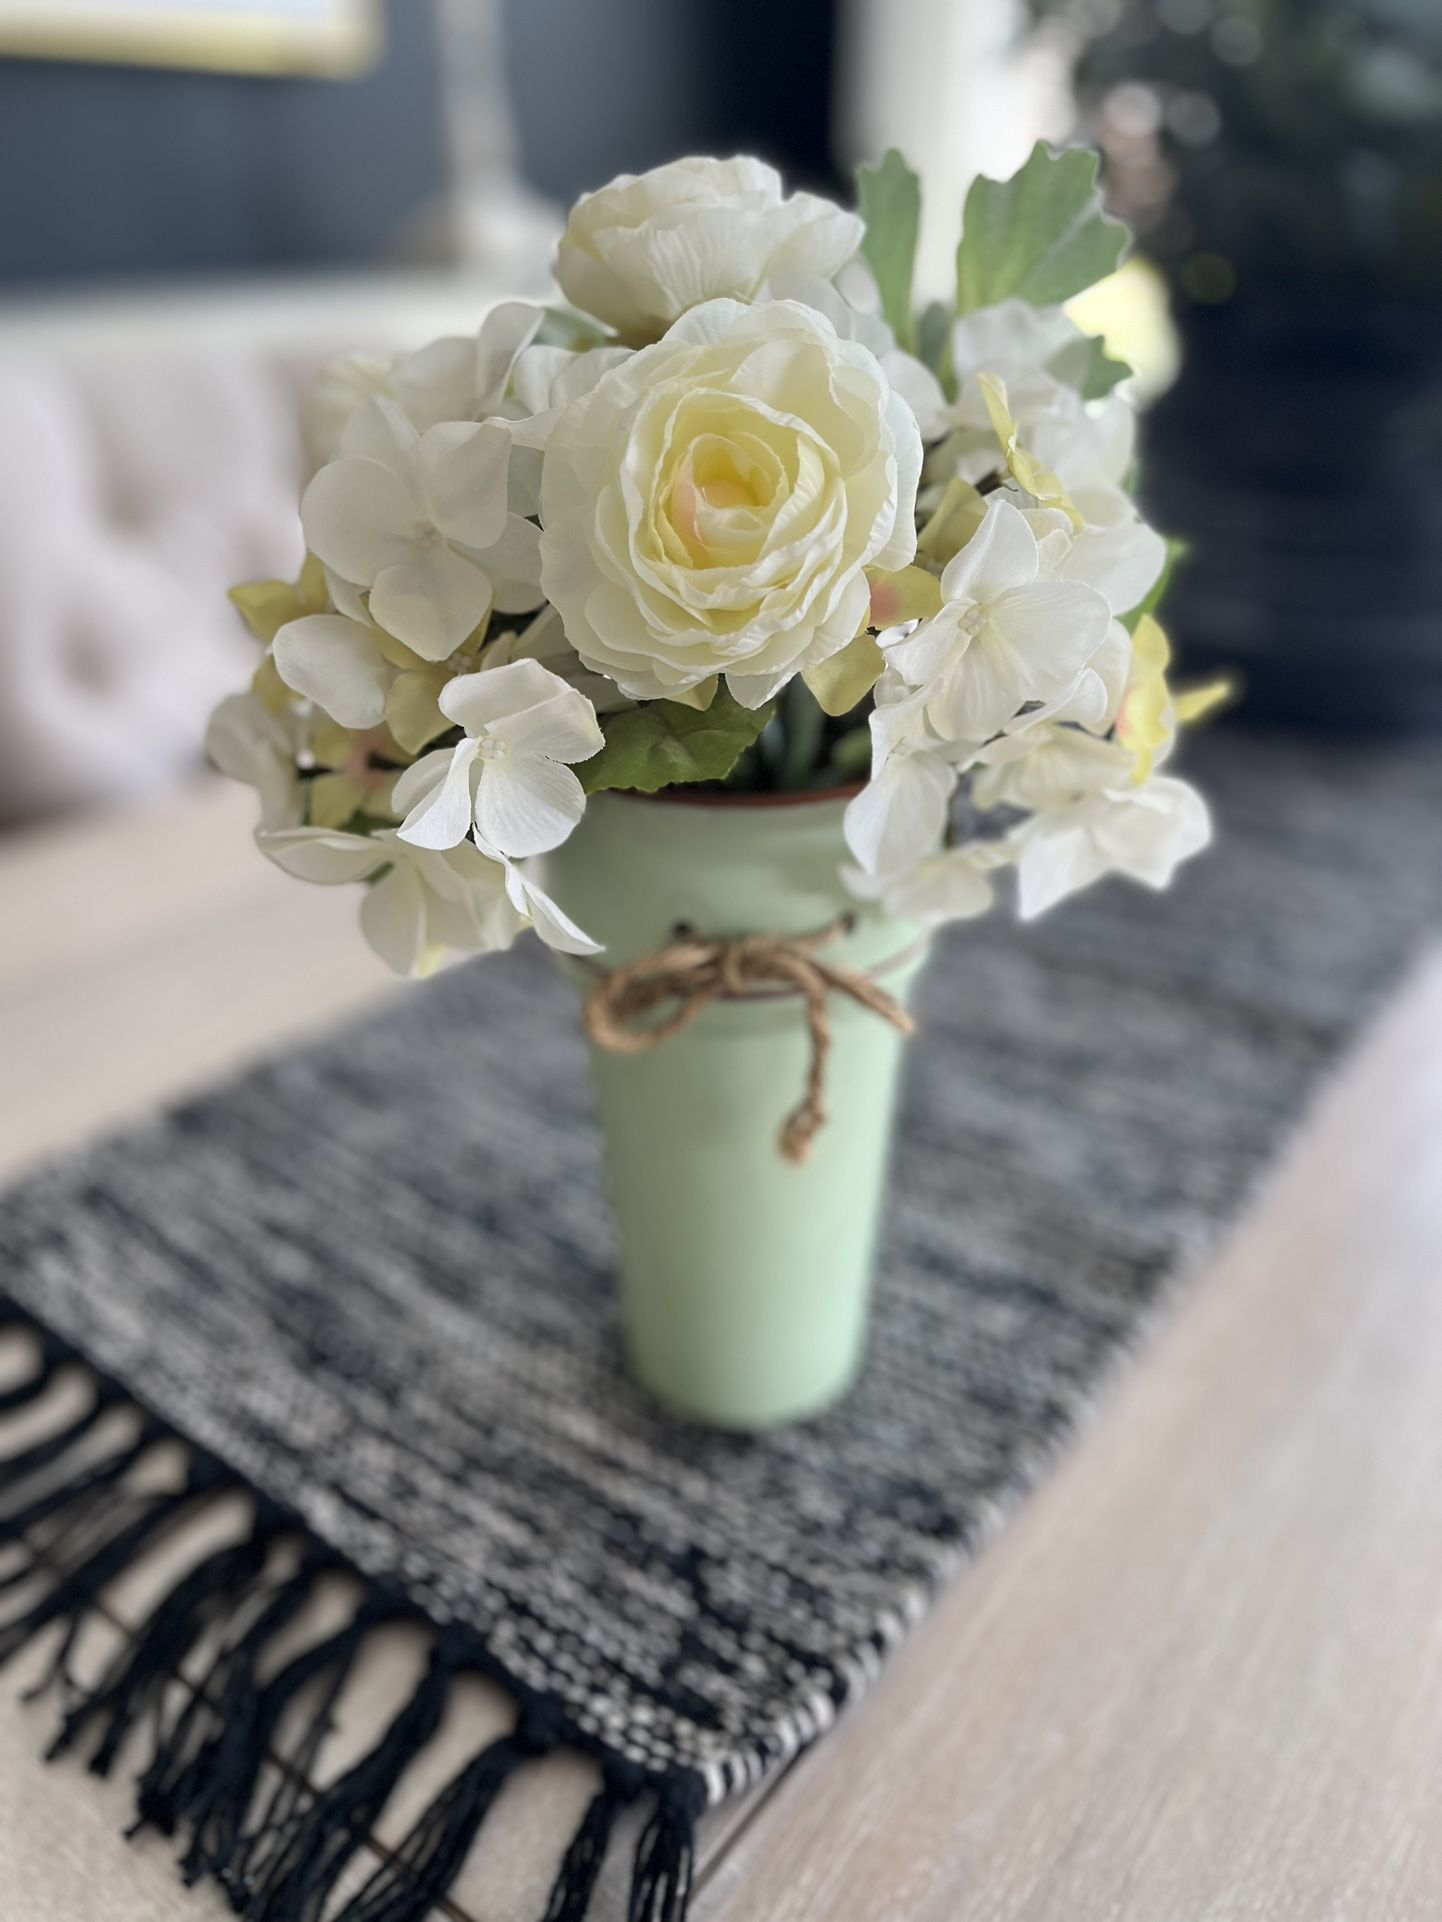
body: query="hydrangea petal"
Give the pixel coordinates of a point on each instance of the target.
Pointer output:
(433, 601)
(1001, 554)
(554, 926)
(1123, 562)
(527, 806)
(479, 701)
(900, 815)
(358, 518)
(463, 471)
(513, 565)
(334, 662)
(506, 332)
(327, 856)
(393, 918)
(437, 796)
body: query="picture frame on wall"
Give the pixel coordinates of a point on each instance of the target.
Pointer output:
(313, 37)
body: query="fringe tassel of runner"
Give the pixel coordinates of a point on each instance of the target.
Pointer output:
(216, 1775)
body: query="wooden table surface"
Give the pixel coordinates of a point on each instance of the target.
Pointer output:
(1198, 1678)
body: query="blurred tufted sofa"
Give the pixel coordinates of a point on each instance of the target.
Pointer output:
(150, 456)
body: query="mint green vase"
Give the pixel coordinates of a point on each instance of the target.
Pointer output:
(745, 1278)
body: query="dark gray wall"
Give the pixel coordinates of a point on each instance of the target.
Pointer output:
(114, 172)
(601, 87)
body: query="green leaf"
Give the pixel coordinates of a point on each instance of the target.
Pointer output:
(664, 744)
(805, 725)
(1097, 373)
(890, 198)
(770, 752)
(851, 754)
(933, 335)
(563, 327)
(1040, 236)
(747, 775)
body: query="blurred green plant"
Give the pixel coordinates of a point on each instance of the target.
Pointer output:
(1265, 140)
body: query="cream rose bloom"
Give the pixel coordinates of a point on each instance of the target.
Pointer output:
(639, 253)
(710, 505)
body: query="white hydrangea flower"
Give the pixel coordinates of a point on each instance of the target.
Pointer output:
(711, 505)
(552, 924)
(1123, 562)
(1005, 635)
(247, 741)
(949, 884)
(459, 378)
(1014, 339)
(899, 817)
(1122, 558)
(427, 907)
(339, 661)
(548, 379)
(1143, 832)
(509, 781)
(364, 678)
(1087, 445)
(423, 523)
(1048, 766)
(545, 640)
(642, 251)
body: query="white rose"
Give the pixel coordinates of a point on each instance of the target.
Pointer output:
(643, 250)
(911, 378)
(710, 505)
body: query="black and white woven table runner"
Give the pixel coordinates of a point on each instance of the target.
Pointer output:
(370, 1283)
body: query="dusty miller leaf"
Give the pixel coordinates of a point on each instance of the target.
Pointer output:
(890, 198)
(1098, 373)
(1040, 236)
(851, 756)
(933, 336)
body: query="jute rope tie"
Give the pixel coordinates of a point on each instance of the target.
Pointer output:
(694, 970)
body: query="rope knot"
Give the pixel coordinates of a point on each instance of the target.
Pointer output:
(693, 970)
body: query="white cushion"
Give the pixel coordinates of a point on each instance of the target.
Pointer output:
(151, 457)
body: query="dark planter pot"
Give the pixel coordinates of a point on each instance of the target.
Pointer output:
(1300, 453)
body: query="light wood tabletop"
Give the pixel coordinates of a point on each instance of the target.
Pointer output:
(1199, 1676)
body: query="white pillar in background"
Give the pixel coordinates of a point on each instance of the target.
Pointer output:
(951, 84)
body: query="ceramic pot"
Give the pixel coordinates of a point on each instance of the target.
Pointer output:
(745, 1277)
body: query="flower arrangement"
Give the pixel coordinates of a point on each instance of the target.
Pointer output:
(738, 516)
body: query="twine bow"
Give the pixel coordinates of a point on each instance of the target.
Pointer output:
(694, 970)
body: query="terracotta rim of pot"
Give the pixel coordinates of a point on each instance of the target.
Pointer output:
(801, 797)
